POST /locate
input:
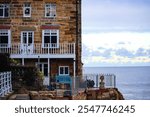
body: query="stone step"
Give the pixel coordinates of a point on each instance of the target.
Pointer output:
(22, 97)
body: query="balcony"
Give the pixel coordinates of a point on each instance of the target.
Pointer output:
(36, 50)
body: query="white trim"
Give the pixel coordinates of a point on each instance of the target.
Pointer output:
(50, 34)
(53, 56)
(24, 8)
(64, 70)
(74, 68)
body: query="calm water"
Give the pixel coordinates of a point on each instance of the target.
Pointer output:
(133, 82)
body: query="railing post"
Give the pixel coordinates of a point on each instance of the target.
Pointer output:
(48, 48)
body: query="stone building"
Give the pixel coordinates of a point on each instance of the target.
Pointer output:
(46, 33)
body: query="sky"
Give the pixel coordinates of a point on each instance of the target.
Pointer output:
(115, 33)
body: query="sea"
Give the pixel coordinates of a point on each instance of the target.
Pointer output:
(132, 82)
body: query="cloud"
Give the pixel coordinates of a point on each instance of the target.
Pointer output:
(142, 52)
(116, 57)
(124, 52)
(121, 43)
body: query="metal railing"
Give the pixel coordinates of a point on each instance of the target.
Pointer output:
(87, 81)
(109, 80)
(38, 48)
(5, 83)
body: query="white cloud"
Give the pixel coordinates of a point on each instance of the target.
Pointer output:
(132, 41)
(122, 48)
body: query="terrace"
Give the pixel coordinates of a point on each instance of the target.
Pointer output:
(36, 50)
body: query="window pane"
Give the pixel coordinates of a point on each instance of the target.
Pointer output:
(46, 39)
(30, 40)
(54, 39)
(6, 12)
(40, 65)
(30, 34)
(45, 70)
(4, 39)
(66, 70)
(24, 37)
(27, 11)
(61, 70)
(27, 5)
(1, 12)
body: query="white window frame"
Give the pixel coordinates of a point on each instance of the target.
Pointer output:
(63, 70)
(3, 6)
(50, 34)
(27, 36)
(3, 33)
(50, 7)
(26, 6)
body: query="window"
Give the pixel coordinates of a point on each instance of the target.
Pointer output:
(63, 70)
(50, 10)
(27, 37)
(5, 37)
(4, 10)
(43, 67)
(27, 10)
(50, 38)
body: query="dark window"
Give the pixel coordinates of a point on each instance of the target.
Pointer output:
(30, 40)
(24, 38)
(46, 39)
(1, 12)
(54, 39)
(61, 70)
(4, 10)
(66, 70)
(51, 38)
(4, 37)
(45, 70)
(27, 11)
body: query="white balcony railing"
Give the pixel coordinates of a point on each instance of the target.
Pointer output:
(37, 48)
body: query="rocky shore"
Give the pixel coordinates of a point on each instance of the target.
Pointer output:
(89, 94)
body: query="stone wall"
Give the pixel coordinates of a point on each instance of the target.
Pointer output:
(67, 20)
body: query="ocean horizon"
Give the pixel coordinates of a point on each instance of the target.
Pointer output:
(132, 81)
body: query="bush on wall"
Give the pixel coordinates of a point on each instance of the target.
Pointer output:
(4, 62)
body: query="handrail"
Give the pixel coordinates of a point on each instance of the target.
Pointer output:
(38, 48)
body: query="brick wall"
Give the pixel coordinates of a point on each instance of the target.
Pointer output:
(67, 20)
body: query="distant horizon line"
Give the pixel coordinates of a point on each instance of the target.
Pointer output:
(118, 66)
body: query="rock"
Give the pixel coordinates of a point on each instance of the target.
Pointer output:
(34, 95)
(23, 91)
(22, 97)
